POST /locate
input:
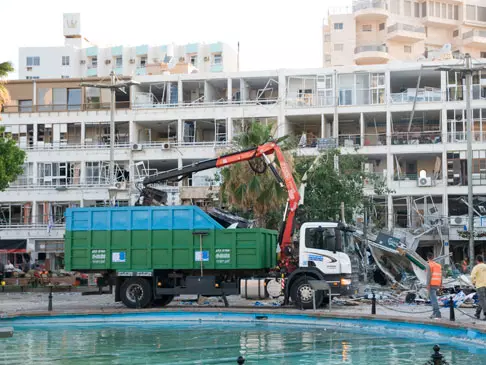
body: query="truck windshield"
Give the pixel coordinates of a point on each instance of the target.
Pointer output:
(323, 239)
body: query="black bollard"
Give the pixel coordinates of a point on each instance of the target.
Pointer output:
(240, 360)
(373, 304)
(437, 357)
(49, 306)
(452, 315)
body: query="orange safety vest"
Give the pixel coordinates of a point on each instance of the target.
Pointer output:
(435, 274)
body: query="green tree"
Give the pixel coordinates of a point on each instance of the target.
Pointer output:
(327, 187)
(251, 189)
(11, 157)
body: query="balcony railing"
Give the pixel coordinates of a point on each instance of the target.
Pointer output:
(474, 33)
(406, 28)
(461, 137)
(365, 4)
(349, 140)
(371, 48)
(423, 95)
(425, 137)
(40, 108)
(59, 183)
(375, 139)
(457, 93)
(205, 104)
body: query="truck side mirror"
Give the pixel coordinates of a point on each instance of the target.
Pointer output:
(338, 240)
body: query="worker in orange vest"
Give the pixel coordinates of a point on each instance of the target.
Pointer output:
(434, 282)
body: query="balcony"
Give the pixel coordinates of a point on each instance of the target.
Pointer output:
(217, 67)
(415, 138)
(427, 95)
(474, 38)
(92, 72)
(435, 21)
(405, 33)
(370, 10)
(369, 55)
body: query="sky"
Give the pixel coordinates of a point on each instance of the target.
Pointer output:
(272, 34)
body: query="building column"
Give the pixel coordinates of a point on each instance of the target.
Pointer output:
(35, 176)
(361, 129)
(323, 126)
(34, 94)
(389, 180)
(35, 134)
(132, 132)
(282, 127)
(229, 129)
(83, 133)
(33, 212)
(388, 129)
(82, 172)
(229, 90)
(180, 94)
(179, 166)
(168, 91)
(180, 131)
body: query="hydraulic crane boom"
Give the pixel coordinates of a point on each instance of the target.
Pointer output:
(286, 180)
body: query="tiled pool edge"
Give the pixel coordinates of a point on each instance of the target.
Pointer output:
(465, 333)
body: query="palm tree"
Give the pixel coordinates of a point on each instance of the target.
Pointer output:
(247, 191)
(5, 68)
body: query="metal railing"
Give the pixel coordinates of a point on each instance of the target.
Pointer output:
(206, 104)
(423, 95)
(60, 183)
(371, 48)
(422, 137)
(73, 146)
(349, 140)
(457, 93)
(474, 33)
(405, 27)
(461, 137)
(39, 108)
(369, 4)
(375, 139)
(53, 226)
(314, 101)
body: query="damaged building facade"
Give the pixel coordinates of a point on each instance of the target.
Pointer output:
(168, 121)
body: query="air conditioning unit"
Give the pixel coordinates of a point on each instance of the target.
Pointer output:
(181, 59)
(107, 62)
(82, 62)
(166, 146)
(29, 68)
(368, 168)
(155, 60)
(119, 185)
(457, 221)
(137, 147)
(424, 181)
(206, 59)
(132, 60)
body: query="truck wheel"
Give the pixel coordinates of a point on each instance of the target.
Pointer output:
(133, 286)
(162, 302)
(301, 294)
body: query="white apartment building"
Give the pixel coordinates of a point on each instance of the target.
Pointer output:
(383, 31)
(79, 58)
(365, 109)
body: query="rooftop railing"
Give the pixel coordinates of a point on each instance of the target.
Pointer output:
(474, 33)
(369, 4)
(371, 48)
(405, 27)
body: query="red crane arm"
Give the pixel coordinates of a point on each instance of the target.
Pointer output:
(288, 180)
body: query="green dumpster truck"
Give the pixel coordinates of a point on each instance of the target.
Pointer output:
(153, 253)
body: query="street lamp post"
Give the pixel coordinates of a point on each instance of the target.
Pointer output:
(468, 69)
(112, 86)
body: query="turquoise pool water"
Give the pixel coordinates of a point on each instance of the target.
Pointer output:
(140, 341)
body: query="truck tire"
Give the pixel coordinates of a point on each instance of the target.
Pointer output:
(129, 289)
(301, 294)
(162, 302)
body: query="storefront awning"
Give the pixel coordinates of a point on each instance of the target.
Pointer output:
(13, 246)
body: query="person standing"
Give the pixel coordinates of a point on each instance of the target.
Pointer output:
(478, 278)
(434, 282)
